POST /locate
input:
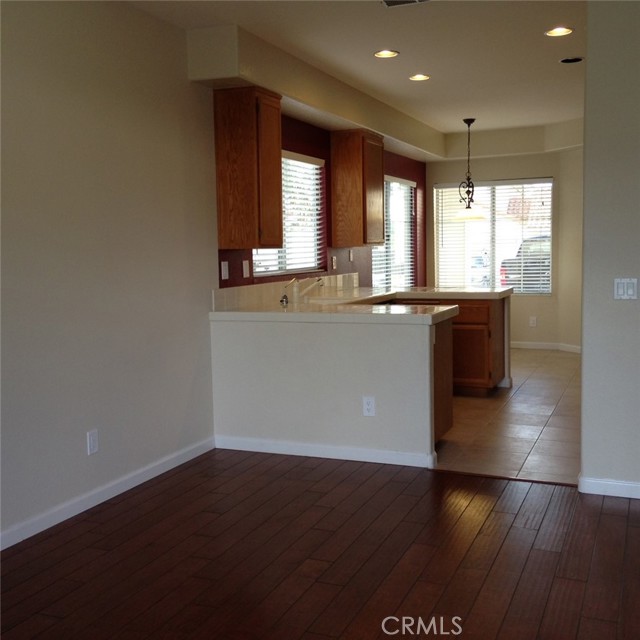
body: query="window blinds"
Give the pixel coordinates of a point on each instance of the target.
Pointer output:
(304, 225)
(504, 239)
(392, 264)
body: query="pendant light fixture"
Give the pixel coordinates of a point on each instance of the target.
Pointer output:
(466, 186)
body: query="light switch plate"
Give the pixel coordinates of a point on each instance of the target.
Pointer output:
(224, 268)
(625, 289)
(245, 268)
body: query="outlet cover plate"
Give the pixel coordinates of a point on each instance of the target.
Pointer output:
(368, 406)
(92, 442)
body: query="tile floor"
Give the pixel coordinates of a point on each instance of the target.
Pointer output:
(530, 432)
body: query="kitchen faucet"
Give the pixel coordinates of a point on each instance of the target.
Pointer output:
(317, 282)
(284, 300)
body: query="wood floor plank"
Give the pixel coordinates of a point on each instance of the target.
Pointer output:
(390, 594)
(512, 497)
(591, 629)
(534, 507)
(452, 494)
(369, 539)
(301, 615)
(575, 561)
(239, 532)
(524, 615)
(486, 616)
(630, 607)
(234, 578)
(421, 484)
(339, 614)
(156, 617)
(29, 628)
(562, 614)
(419, 602)
(358, 521)
(253, 546)
(603, 593)
(458, 541)
(556, 521)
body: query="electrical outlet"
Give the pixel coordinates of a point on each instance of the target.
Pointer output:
(533, 321)
(92, 442)
(368, 406)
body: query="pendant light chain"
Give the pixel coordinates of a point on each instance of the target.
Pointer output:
(466, 187)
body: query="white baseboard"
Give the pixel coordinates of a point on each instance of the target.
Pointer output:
(73, 507)
(553, 346)
(606, 487)
(315, 450)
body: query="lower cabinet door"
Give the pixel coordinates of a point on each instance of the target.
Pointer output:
(471, 355)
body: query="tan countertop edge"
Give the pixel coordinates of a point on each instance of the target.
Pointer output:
(363, 305)
(430, 293)
(342, 314)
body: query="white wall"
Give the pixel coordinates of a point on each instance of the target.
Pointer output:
(295, 385)
(611, 356)
(108, 255)
(558, 315)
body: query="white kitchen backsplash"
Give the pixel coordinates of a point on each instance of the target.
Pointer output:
(251, 296)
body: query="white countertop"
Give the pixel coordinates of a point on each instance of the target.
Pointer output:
(363, 295)
(355, 305)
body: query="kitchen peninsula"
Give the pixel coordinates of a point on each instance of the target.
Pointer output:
(299, 378)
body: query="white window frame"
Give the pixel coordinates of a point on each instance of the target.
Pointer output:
(479, 247)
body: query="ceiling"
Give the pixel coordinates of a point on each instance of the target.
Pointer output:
(488, 60)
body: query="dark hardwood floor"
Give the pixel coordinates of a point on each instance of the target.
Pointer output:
(237, 546)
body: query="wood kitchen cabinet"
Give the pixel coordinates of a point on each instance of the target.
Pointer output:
(357, 188)
(248, 143)
(478, 343)
(442, 380)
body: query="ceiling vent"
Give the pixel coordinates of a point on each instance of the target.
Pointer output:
(399, 3)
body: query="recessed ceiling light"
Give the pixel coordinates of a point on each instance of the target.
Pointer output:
(572, 60)
(418, 77)
(558, 31)
(386, 53)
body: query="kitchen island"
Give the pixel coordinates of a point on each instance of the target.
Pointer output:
(299, 379)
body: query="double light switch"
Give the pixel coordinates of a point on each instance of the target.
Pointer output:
(625, 289)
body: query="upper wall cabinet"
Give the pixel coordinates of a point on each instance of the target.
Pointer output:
(357, 188)
(248, 168)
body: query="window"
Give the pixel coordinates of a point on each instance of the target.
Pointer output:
(504, 239)
(303, 210)
(392, 264)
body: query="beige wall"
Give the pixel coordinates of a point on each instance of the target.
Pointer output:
(611, 360)
(108, 254)
(558, 315)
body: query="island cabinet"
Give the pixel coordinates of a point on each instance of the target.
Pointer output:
(357, 188)
(478, 343)
(478, 346)
(248, 143)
